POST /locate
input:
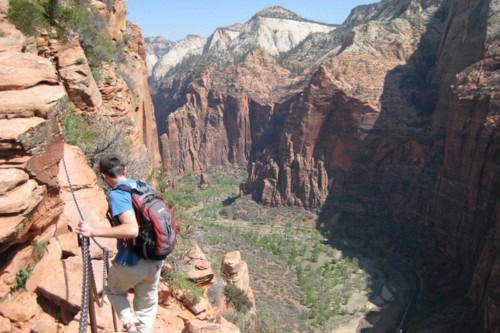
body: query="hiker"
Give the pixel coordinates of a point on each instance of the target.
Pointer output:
(129, 270)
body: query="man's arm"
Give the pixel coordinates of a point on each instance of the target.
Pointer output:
(128, 228)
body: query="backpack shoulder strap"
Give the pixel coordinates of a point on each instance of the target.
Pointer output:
(127, 188)
(123, 187)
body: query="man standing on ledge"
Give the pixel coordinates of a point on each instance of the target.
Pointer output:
(128, 269)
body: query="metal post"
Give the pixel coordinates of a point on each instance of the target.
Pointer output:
(115, 320)
(92, 316)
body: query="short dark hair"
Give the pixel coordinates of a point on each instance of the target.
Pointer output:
(112, 165)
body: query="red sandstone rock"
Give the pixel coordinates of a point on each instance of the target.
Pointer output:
(11, 129)
(204, 182)
(235, 271)
(5, 325)
(51, 258)
(23, 258)
(37, 101)
(21, 308)
(19, 199)
(44, 324)
(64, 285)
(89, 196)
(11, 178)
(24, 70)
(77, 76)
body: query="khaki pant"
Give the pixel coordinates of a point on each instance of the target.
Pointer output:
(144, 278)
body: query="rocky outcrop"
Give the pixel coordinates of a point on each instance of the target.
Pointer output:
(77, 77)
(120, 91)
(200, 271)
(275, 30)
(112, 17)
(204, 181)
(30, 143)
(198, 326)
(430, 156)
(235, 271)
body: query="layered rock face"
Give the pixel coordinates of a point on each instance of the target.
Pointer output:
(122, 92)
(30, 140)
(441, 172)
(207, 125)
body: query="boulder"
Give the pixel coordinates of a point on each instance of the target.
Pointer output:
(23, 70)
(201, 273)
(63, 285)
(11, 129)
(20, 198)
(44, 324)
(198, 326)
(37, 101)
(5, 325)
(204, 182)
(11, 178)
(199, 270)
(21, 308)
(77, 76)
(51, 259)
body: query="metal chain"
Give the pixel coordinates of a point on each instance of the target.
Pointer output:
(88, 271)
(84, 314)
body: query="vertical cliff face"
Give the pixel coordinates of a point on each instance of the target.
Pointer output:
(119, 91)
(464, 212)
(204, 124)
(400, 120)
(30, 141)
(441, 171)
(126, 85)
(369, 80)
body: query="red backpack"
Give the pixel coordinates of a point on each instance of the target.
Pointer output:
(157, 226)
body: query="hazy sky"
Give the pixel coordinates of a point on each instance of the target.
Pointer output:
(174, 19)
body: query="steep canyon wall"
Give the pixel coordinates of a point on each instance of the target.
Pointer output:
(398, 119)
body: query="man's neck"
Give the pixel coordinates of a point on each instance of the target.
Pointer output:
(117, 180)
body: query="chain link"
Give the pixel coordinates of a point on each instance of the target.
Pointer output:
(88, 271)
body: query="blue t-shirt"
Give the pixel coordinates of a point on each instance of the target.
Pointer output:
(119, 202)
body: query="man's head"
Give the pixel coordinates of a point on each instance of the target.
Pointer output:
(111, 167)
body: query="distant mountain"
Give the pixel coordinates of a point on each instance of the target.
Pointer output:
(189, 45)
(275, 30)
(156, 47)
(278, 12)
